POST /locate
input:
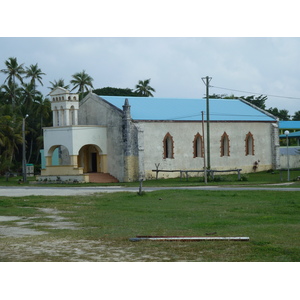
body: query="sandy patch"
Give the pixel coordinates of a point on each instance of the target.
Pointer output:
(25, 226)
(73, 251)
(18, 231)
(20, 241)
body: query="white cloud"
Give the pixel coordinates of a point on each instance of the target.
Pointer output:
(175, 65)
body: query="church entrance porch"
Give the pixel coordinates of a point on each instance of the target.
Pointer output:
(92, 159)
(94, 164)
(89, 165)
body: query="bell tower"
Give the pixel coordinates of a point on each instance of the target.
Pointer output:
(64, 106)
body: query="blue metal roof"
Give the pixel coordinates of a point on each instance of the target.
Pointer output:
(182, 109)
(295, 134)
(289, 124)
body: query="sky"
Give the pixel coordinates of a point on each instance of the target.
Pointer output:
(176, 65)
(245, 47)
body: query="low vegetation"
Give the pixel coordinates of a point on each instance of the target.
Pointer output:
(258, 178)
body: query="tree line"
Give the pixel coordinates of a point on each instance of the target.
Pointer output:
(20, 96)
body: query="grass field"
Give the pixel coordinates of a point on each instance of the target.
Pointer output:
(98, 227)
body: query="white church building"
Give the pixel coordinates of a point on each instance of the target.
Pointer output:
(129, 137)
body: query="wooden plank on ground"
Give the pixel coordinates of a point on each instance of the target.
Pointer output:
(189, 238)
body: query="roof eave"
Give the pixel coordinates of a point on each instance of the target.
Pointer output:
(260, 109)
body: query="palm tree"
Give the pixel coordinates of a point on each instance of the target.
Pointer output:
(58, 83)
(82, 81)
(144, 89)
(35, 73)
(28, 96)
(296, 116)
(10, 132)
(13, 70)
(9, 93)
(42, 111)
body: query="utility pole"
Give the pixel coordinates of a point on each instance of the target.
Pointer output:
(204, 158)
(24, 151)
(206, 81)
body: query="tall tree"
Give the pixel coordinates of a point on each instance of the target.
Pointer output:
(144, 89)
(28, 94)
(282, 114)
(58, 83)
(111, 91)
(35, 74)
(42, 111)
(258, 101)
(296, 116)
(82, 81)
(10, 133)
(13, 70)
(10, 93)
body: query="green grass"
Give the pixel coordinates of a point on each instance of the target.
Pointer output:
(270, 219)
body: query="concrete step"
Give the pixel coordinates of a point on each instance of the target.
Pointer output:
(102, 178)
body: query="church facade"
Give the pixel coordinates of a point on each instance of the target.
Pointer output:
(130, 137)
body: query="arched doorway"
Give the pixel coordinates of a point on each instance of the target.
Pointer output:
(91, 159)
(58, 155)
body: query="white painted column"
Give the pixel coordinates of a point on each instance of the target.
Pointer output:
(54, 117)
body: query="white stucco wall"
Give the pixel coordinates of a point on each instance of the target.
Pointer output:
(183, 135)
(294, 157)
(294, 161)
(75, 137)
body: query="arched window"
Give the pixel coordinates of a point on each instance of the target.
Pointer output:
(249, 144)
(198, 146)
(168, 145)
(225, 145)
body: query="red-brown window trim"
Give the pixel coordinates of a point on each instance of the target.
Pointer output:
(247, 150)
(168, 153)
(198, 135)
(223, 152)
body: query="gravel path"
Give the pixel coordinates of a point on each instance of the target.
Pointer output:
(71, 191)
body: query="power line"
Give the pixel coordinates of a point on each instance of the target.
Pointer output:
(269, 95)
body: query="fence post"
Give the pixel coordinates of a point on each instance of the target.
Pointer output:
(141, 187)
(157, 165)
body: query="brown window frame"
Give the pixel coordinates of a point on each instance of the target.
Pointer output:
(198, 152)
(168, 146)
(247, 150)
(225, 137)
